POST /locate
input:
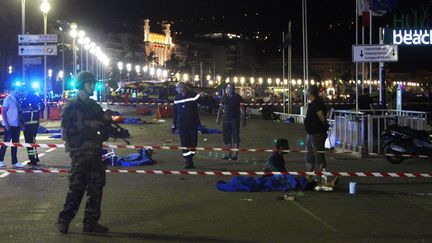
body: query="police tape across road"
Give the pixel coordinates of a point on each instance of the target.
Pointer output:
(123, 146)
(246, 104)
(232, 173)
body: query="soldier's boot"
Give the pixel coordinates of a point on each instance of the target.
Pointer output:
(94, 228)
(63, 226)
(188, 163)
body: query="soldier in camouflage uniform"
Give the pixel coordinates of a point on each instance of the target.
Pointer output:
(82, 130)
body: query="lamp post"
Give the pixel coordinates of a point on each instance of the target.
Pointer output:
(74, 33)
(92, 51)
(81, 35)
(128, 68)
(45, 8)
(87, 47)
(120, 68)
(23, 32)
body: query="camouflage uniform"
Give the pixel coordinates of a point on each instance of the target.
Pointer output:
(84, 144)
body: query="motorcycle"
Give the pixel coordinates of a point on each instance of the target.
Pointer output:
(399, 140)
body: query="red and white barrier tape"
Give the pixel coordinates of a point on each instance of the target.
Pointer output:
(123, 146)
(247, 104)
(236, 173)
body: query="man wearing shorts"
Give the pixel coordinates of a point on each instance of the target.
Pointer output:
(233, 110)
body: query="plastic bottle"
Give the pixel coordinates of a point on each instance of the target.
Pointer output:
(324, 178)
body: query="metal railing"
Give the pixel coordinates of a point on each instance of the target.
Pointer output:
(360, 131)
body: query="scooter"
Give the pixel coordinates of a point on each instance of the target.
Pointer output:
(401, 140)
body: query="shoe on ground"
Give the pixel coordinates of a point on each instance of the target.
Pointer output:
(189, 165)
(234, 158)
(94, 228)
(18, 165)
(32, 163)
(63, 227)
(226, 157)
(2, 164)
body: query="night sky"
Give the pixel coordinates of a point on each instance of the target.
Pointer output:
(331, 22)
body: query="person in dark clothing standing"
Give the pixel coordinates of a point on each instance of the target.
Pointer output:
(316, 126)
(365, 102)
(233, 109)
(82, 130)
(32, 107)
(186, 120)
(276, 162)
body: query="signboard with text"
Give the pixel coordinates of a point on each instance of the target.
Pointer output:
(375, 53)
(408, 37)
(40, 50)
(34, 39)
(32, 60)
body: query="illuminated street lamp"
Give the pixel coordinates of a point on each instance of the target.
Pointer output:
(45, 8)
(128, 69)
(120, 68)
(87, 48)
(260, 81)
(137, 69)
(81, 35)
(185, 77)
(152, 71)
(219, 79)
(74, 33)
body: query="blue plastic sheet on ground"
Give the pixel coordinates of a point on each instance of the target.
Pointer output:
(42, 129)
(129, 120)
(143, 157)
(289, 120)
(262, 184)
(204, 130)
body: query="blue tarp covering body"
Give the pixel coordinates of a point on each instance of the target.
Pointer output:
(204, 130)
(129, 120)
(42, 129)
(263, 184)
(143, 157)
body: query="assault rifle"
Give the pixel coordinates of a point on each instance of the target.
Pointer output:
(116, 131)
(113, 129)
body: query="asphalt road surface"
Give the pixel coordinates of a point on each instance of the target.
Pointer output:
(189, 208)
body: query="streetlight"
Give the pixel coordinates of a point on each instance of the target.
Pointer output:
(128, 68)
(137, 69)
(92, 51)
(81, 35)
(87, 47)
(45, 8)
(23, 32)
(120, 68)
(74, 33)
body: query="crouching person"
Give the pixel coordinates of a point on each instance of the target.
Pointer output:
(276, 163)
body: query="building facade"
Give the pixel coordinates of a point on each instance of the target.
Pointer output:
(158, 47)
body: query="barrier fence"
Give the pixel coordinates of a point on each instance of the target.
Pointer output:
(360, 131)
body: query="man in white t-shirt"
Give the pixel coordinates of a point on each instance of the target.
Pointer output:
(11, 125)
